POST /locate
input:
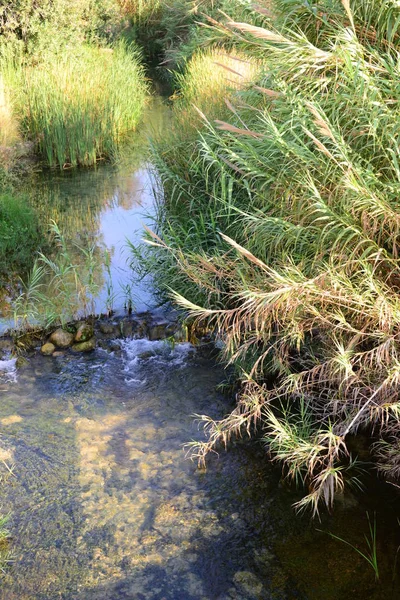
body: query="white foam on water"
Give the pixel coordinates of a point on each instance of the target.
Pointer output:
(138, 352)
(8, 370)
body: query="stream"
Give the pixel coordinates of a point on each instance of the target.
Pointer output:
(104, 502)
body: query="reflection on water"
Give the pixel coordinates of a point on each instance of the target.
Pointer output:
(101, 208)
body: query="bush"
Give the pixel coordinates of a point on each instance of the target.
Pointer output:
(43, 26)
(282, 221)
(79, 107)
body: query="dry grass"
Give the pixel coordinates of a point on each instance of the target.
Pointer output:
(301, 176)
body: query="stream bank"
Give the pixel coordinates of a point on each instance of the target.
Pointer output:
(104, 504)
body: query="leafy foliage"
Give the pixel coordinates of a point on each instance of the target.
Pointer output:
(20, 235)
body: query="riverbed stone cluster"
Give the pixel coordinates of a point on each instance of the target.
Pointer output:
(85, 336)
(100, 332)
(79, 337)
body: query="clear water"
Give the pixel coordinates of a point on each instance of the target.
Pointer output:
(104, 208)
(104, 503)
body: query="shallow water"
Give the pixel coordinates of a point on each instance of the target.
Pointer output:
(102, 208)
(104, 504)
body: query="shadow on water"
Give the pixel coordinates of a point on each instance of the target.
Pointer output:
(105, 506)
(103, 502)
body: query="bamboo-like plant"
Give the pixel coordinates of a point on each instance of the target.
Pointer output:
(284, 229)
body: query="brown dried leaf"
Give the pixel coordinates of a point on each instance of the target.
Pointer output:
(228, 127)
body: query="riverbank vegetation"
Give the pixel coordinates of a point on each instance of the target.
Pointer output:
(72, 90)
(74, 101)
(280, 227)
(77, 108)
(279, 222)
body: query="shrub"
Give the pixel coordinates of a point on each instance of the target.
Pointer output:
(43, 26)
(285, 230)
(20, 236)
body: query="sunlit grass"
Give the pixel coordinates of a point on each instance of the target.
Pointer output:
(79, 106)
(281, 227)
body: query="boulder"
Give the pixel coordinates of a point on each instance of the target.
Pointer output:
(61, 338)
(86, 346)
(84, 333)
(47, 349)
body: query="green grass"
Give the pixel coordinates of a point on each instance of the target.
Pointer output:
(280, 226)
(20, 236)
(79, 107)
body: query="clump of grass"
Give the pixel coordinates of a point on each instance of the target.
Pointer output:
(79, 107)
(59, 289)
(9, 133)
(6, 556)
(283, 232)
(20, 236)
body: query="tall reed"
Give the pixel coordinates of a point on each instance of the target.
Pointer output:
(283, 231)
(78, 107)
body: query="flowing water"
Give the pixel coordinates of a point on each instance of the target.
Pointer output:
(104, 504)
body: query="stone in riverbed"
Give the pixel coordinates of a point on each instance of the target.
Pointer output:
(107, 328)
(86, 346)
(6, 344)
(61, 338)
(47, 349)
(158, 332)
(146, 355)
(84, 333)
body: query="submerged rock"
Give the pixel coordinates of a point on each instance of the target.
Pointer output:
(107, 328)
(84, 333)
(146, 355)
(61, 338)
(6, 344)
(47, 349)
(21, 362)
(248, 585)
(158, 332)
(86, 346)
